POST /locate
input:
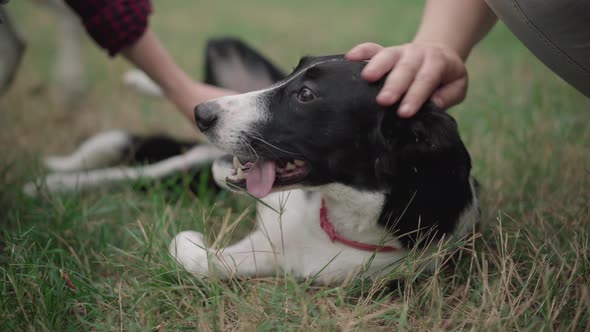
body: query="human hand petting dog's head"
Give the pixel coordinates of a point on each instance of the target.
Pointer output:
(413, 73)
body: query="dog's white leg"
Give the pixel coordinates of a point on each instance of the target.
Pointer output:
(193, 159)
(102, 150)
(252, 256)
(140, 82)
(188, 248)
(79, 181)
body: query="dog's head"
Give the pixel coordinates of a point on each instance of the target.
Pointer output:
(322, 125)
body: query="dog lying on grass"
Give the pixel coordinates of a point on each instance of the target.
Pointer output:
(345, 186)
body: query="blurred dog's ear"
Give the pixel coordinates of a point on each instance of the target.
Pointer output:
(231, 64)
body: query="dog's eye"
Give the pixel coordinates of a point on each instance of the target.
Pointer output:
(305, 95)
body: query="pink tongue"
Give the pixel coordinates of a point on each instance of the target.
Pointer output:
(260, 178)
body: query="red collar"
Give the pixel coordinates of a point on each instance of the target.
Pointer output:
(329, 229)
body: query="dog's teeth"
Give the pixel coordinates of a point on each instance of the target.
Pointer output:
(234, 172)
(280, 170)
(237, 163)
(299, 162)
(290, 166)
(240, 174)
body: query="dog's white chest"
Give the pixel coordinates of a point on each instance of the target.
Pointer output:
(291, 221)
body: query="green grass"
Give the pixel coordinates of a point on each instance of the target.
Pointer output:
(527, 132)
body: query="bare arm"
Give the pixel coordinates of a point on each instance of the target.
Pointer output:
(457, 24)
(433, 63)
(148, 54)
(102, 18)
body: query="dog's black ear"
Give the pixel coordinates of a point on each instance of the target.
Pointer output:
(231, 64)
(427, 144)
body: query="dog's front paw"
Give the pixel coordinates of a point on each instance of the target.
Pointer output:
(54, 183)
(188, 248)
(221, 169)
(59, 164)
(140, 82)
(31, 189)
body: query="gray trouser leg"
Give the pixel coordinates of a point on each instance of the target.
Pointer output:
(556, 31)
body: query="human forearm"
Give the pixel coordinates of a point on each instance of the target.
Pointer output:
(102, 19)
(148, 54)
(458, 24)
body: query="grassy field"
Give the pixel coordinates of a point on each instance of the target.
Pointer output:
(99, 261)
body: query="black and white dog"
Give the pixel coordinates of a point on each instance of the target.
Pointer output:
(345, 185)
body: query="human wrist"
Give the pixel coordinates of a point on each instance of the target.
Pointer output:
(188, 93)
(448, 48)
(455, 24)
(184, 95)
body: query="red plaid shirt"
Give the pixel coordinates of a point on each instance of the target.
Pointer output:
(113, 24)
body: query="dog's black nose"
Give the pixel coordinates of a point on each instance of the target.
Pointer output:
(206, 115)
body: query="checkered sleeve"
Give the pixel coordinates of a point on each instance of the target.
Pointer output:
(113, 24)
